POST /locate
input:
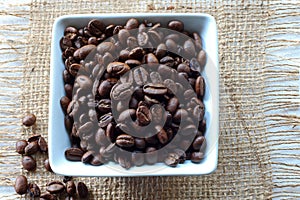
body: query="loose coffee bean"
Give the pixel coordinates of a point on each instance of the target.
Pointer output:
(71, 188)
(87, 156)
(105, 87)
(55, 187)
(97, 160)
(21, 185)
(132, 24)
(189, 48)
(125, 140)
(82, 190)
(154, 36)
(65, 42)
(136, 53)
(181, 154)
(47, 165)
(82, 52)
(194, 65)
(104, 120)
(142, 38)
(173, 36)
(138, 158)
(140, 143)
(171, 46)
(172, 105)
(34, 190)
(29, 163)
(161, 135)
(172, 160)
(64, 102)
(198, 143)
(47, 196)
(121, 91)
(196, 157)
(151, 59)
(29, 120)
(43, 146)
(151, 155)
(168, 61)
(84, 82)
(96, 27)
(69, 90)
(155, 77)
(198, 41)
(123, 34)
(31, 148)
(140, 76)
(117, 68)
(20, 146)
(74, 154)
(154, 89)
(176, 25)
(143, 115)
(200, 87)
(202, 58)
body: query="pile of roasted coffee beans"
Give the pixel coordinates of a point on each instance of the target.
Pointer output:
(137, 69)
(55, 189)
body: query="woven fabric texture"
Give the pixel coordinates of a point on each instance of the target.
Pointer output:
(250, 98)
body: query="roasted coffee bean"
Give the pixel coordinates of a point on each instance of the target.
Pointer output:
(93, 40)
(97, 160)
(198, 112)
(69, 90)
(55, 187)
(154, 37)
(133, 104)
(65, 42)
(176, 25)
(132, 42)
(84, 82)
(132, 24)
(150, 101)
(173, 36)
(74, 154)
(34, 190)
(74, 68)
(172, 160)
(172, 105)
(80, 41)
(64, 102)
(31, 148)
(154, 89)
(21, 185)
(121, 91)
(29, 163)
(123, 55)
(161, 51)
(202, 58)
(179, 115)
(82, 190)
(67, 77)
(151, 155)
(105, 87)
(70, 188)
(189, 48)
(109, 30)
(47, 196)
(198, 41)
(34, 138)
(142, 38)
(183, 67)
(168, 61)
(111, 132)
(123, 34)
(155, 77)
(126, 115)
(96, 27)
(171, 85)
(125, 140)
(140, 143)
(43, 146)
(151, 59)
(71, 32)
(20, 146)
(87, 156)
(181, 154)
(133, 63)
(161, 135)
(109, 150)
(157, 113)
(138, 158)
(104, 120)
(106, 47)
(29, 120)
(171, 46)
(47, 165)
(196, 157)
(136, 53)
(197, 143)
(124, 162)
(100, 137)
(82, 52)
(117, 68)
(143, 115)
(194, 65)
(140, 76)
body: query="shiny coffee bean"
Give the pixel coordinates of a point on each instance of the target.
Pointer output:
(84, 82)
(47, 165)
(123, 34)
(82, 52)
(29, 120)
(82, 190)
(140, 143)
(121, 91)
(29, 163)
(55, 187)
(21, 185)
(105, 87)
(125, 140)
(136, 53)
(117, 68)
(43, 146)
(70, 188)
(189, 48)
(31, 148)
(104, 120)
(154, 89)
(172, 160)
(162, 135)
(172, 105)
(198, 41)
(151, 155)
(74, 154)
(132, 24)
(20, 146)
(34, 190)
(176, 25)
(47, 196)
(140, 76)
(142, 38)
(71, 32)
(34, 138)
(64, 102)
(196, 157)
(143, 115)
(96, 27)
(197, 143)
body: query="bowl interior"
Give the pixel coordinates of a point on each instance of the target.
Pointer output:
(203, 24)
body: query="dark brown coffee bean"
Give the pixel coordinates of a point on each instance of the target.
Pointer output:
(87, 156)
(197, 143)
(202, 58)
(154, 89)
(105, 87)
(64, 102)
(34, 190)
(117, 68)
(65, 42)
(124, 162)
(126, 115)
(67, 77)
(198, 41)
(132, 42)
(172, 105)
(151, 155)
(143, 115)
(104, 120)
(104, 47)
(74, 68)
(82, 190)
(140, 143)
(181, 154)
(171, 46)
(173, 36)
(161, 51)
(132, 24)
(80, 41)
(151, 59)
(157, 113)
(161, 135)
(140, 76)
(168, 61)
(47, 196)
(138, 158)
(70, 188)
(84, 82)
(142, 38)
(136, 53)
(121, 91)
(21, 185)
(47, 165)
(20, 146)
(55, 187)
(93, 40)
(183, 67)
(194, 65)
(31, 148)
(125, 140)
(96, 27)
(189, 48)
(82, 52)
(111, 132)
(179, 115)
(154, 37)
(104, 105)
(73, 154)
(123, 34)
(29, 163)
(196, 157)
(43, 146)
(155, 77)
(198, 112)
(150, 100)
(100, 137)
(69, 90)
(29, 120)
(97, 160)
(133, 63)
(34, 137)
(189, 94)
(172, 160)
(71, 32)
(109, 30)
(176, 25)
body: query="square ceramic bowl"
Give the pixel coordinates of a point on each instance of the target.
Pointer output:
(59, 141)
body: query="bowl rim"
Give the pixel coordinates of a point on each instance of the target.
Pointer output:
(171, 171)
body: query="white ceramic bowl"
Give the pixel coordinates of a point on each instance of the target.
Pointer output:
(205, 25)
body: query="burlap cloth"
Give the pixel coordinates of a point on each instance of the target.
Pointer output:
(256, 95)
